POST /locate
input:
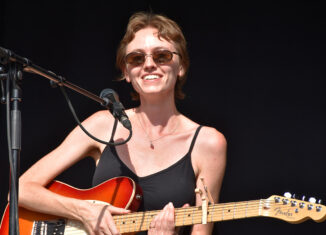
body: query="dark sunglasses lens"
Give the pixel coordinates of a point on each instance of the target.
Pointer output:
(162, 57)
(135, 58)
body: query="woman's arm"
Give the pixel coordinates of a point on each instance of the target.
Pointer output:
(209, 161)
(34, 196)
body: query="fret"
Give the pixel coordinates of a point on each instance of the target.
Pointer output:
(234, 209)
(184, 214)
(211, 209)
(242, 210)
(134, 223)
(217, 214)
(251, 209)
(260, 203)
(192, 217)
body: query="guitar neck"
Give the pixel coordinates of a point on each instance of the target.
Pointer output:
(140, 221)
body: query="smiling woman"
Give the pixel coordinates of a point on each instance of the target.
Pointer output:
(168, 154)
(166, 29)
(166, 73)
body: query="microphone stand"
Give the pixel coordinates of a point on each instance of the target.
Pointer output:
(14, 76)
(16, 65)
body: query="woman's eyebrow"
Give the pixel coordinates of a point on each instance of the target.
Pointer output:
(153, 49)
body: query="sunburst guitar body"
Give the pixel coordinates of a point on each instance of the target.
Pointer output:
(121, 192)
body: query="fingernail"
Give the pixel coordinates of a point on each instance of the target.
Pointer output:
(170, 204)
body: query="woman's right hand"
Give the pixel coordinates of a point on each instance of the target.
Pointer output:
(98, 219)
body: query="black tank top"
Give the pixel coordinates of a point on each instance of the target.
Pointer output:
(174, 184)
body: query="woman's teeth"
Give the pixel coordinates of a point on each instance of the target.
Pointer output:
(151, 77)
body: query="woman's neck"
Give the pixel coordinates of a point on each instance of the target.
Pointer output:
(157, 115)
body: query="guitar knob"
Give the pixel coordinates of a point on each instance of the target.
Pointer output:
(287, 195)
(312, 200)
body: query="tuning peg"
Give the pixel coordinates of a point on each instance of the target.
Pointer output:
(312, 200)
(293, 195)
(287, 195)
(303, 197)
(319, 201)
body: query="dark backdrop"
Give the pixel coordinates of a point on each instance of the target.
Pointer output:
(257, 75)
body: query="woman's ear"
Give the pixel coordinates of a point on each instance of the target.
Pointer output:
(126, 76)
(181, 72)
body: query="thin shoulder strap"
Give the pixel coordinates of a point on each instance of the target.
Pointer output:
(194, 139)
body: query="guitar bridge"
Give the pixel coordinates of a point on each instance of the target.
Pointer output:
(56, 227)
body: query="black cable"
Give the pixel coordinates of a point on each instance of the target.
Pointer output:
(113, 130)
(86, 132)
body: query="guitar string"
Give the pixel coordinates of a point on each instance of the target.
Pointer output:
(198, 214)
(239, 206)
(216, 212)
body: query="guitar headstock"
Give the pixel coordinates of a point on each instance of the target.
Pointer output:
(293, 210)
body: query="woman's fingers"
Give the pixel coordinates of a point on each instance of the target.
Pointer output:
(110, 221)
(117, 210)
(163, 223)
(185, 205)
(103, 222)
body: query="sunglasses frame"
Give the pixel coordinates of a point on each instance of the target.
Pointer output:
(151, 54)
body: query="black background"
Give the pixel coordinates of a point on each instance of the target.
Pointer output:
(257, 75)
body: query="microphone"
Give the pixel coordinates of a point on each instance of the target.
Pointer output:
(111, 100)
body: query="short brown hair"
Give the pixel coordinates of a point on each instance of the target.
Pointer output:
(167, 29)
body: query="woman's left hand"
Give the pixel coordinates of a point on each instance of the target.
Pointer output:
(163, 223)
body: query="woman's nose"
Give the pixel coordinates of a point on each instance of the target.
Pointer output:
(149, 62)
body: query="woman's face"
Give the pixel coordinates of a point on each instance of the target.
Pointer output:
(151, 78)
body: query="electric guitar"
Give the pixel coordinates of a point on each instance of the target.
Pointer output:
(123, 192)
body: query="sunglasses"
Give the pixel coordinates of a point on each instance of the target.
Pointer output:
(159, 57)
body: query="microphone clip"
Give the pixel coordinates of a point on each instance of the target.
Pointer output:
(111, 102)
(116, 108)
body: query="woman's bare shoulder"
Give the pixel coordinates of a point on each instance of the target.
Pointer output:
(211, 146)
(100, 116)
(209, 137)
(212, 138)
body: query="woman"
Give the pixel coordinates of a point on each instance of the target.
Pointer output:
(168, 153)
